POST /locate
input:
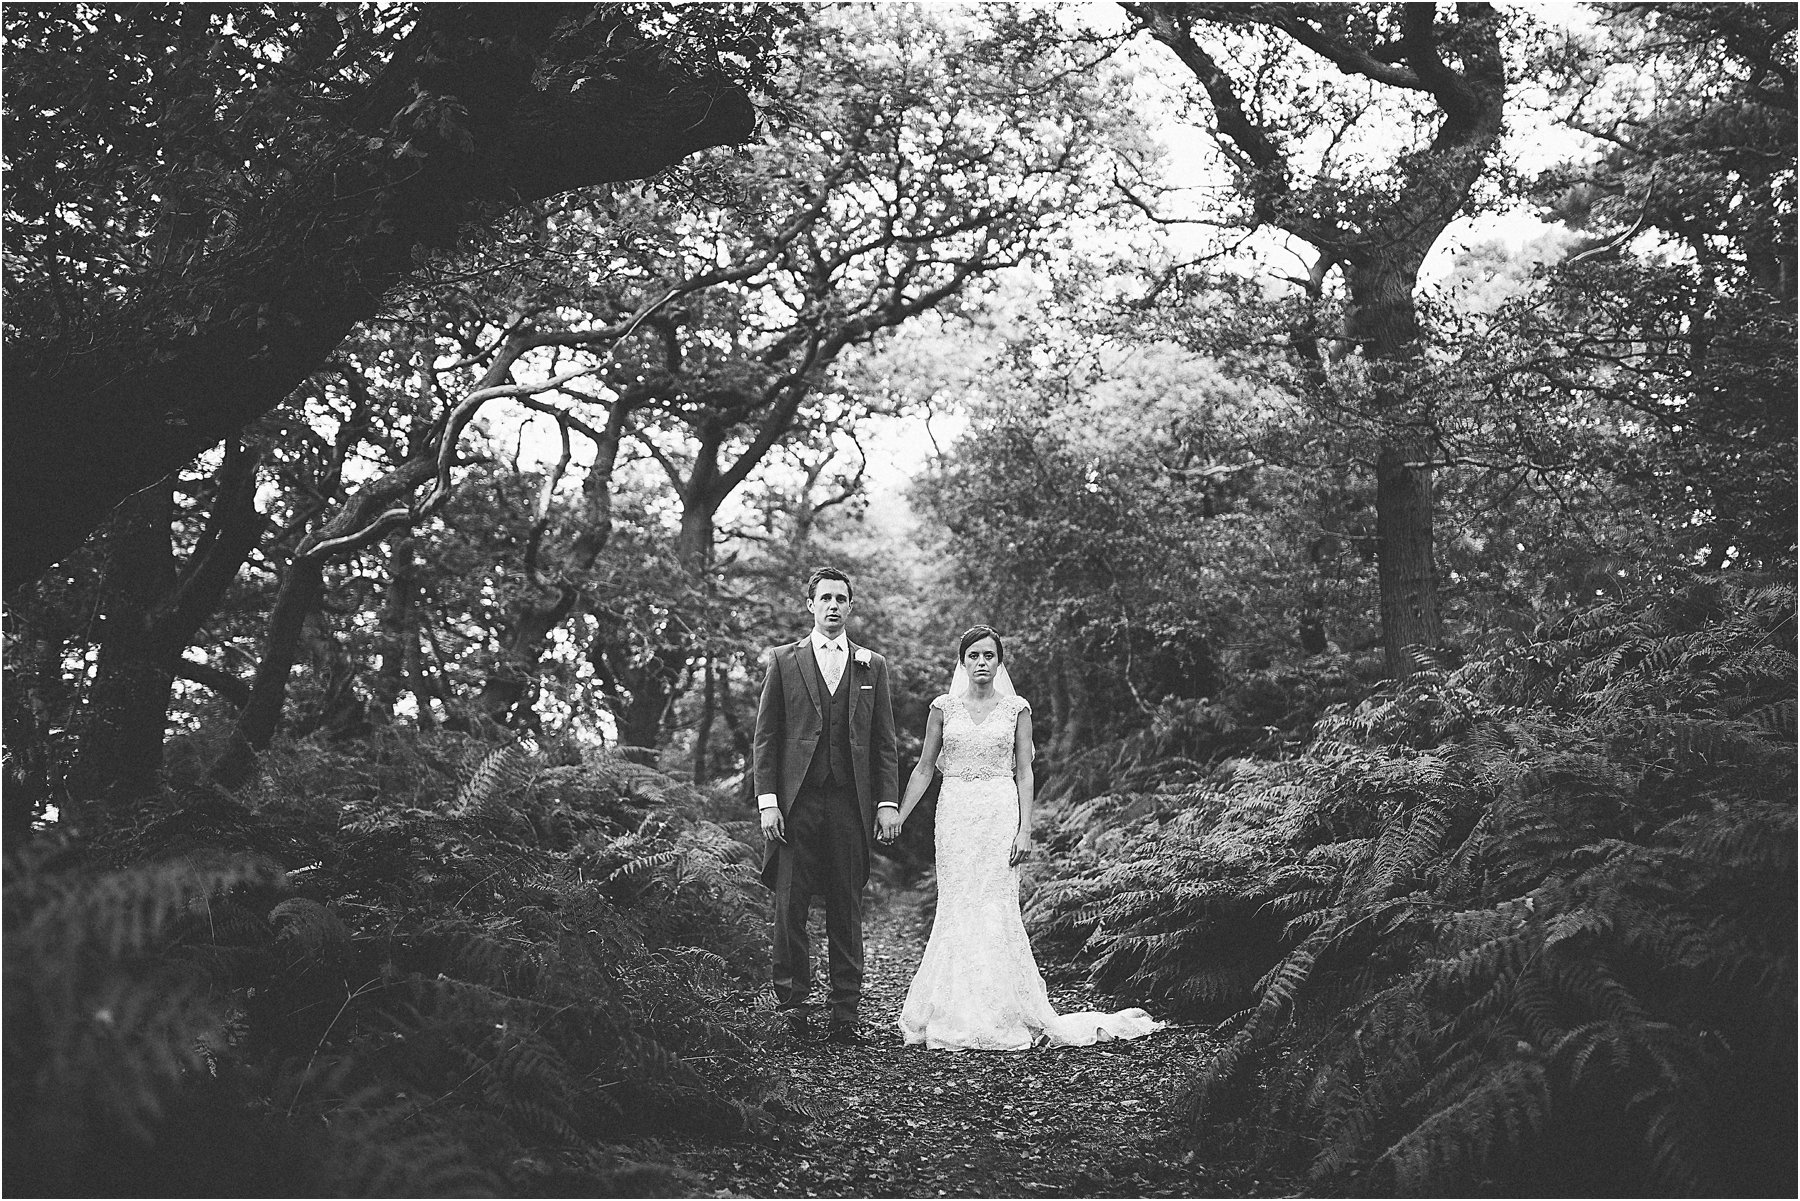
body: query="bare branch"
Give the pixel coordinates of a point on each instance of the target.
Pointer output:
(676, 476)
(853, 485)
(563, 417)
(1347, 56)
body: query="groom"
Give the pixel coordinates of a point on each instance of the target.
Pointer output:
(827, 777)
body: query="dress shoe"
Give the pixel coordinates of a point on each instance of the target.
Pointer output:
(845, 1034)
(795, 1022)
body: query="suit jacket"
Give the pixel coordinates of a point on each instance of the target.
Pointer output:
(790, 720)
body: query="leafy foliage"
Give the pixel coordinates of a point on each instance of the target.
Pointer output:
(157, 151)
(485, 969)
(1524, 924)
(1660, 353)
(1111, 508)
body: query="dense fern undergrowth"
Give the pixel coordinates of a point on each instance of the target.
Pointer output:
(428, 967)
(1523, 926)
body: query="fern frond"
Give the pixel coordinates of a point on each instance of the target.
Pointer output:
(1498, 1115)
(501, 773)
(1669, 1119)
(645, 864)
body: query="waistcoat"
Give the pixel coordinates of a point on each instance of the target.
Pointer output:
(831, 757)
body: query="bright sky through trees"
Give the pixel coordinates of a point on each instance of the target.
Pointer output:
(899, 446)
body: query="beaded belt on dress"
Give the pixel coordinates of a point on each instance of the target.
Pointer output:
(979, 773)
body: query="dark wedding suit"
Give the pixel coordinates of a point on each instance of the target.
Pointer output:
(830, 759)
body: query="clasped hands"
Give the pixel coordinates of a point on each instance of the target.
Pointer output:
(887, 829)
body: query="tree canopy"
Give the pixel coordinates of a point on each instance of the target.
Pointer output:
(206, 202)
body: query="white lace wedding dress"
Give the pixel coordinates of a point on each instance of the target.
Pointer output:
(978, 986)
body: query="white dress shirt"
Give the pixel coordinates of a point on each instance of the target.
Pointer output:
(823, 651)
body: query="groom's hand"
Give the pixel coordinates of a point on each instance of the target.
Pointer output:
(887, 824)
(773, 826)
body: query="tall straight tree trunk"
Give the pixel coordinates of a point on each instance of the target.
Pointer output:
(1407, 566)
(1383, 324)
(121, 747)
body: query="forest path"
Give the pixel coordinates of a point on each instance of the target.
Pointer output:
(887, 1120)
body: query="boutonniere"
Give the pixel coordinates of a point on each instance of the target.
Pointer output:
(863, 657)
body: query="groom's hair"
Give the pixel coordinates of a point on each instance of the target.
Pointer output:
(828, 573)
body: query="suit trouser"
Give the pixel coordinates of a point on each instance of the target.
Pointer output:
(826, 856)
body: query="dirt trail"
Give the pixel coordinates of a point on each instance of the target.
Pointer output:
(888, 1120)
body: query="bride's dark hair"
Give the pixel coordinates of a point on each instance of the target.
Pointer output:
(976, 634)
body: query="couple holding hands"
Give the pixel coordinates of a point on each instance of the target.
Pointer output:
(826, 774)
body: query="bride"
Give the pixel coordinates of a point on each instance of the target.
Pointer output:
(978, 986)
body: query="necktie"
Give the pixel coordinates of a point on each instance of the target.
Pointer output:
(834, 666)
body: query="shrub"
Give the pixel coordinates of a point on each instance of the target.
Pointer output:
(425, 966)
(1526, 925)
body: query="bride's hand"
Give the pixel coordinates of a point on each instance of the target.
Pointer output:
(1021, 850)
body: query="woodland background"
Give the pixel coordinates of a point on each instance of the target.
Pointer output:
(419, 419)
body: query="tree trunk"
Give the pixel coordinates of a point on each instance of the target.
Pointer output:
(1059, 712)
(694, 541)
(703, 727)
(395, 633)
(423, 689)
(123, 722)
(740, 737)
(339, 709)
(1383, 323)
(1068, 705)
(355, 525)
(535, 620)
(151, 616)
(641, 723)
(642, 689)
(1407, 568)
(301, 590)
(509, 685)
(36, 695)
(1311, 629)
(1381, 247)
